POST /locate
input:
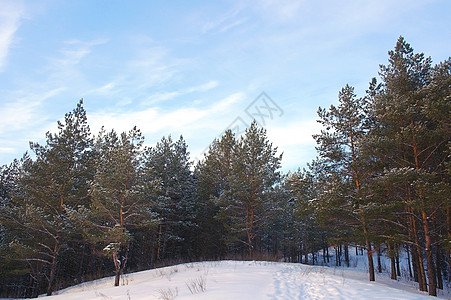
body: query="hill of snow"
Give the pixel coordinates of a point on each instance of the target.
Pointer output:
(243, 280)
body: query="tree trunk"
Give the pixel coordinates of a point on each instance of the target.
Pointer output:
(369, 251)
(347, 255)
(421, 273)
(392, 260)
(416, 250)
(416, 269)
(379, 264)
(117, 267)
(337, 256)
(408, 262)
(50, 286)
(159, 241)
(429, 258)
(439, 267)
(53, 266)
(448, 227)
(249, 225)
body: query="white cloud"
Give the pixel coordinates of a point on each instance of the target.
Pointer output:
(24, 120)
(7, 150)
(293, 133)
(224, 22)
(11, 14)
(222, 105)
(203, 87)
(282, 10)
(229, 26)
(149, 67)
(106, 89)
(160, 97)
(154, 120)
(23, 113)
(295, 140)
(76, 51)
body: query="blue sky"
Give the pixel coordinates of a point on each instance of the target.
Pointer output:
(197, 67)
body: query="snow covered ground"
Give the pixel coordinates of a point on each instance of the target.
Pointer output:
(244, 280)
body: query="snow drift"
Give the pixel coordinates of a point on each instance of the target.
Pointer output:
(241, 280)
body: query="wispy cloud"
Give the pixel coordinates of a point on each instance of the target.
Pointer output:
(160, 97)
(24, 120)
(149, 66)
(224, 22)
(106, 89)
(11, 13)
(76, 50)
(225, 103)
(231, 25)
(143, 78)
(7, 150)
(155, 120)
(282, 10)
(24, 112)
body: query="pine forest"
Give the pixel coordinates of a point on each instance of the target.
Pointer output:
(86, 205)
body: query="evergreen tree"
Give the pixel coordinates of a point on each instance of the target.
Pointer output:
(55, 181)
(411, 134)
(174, 200)
(214, 180)
(340, 145)
(254, 173)
(13, 272)
(118, 202)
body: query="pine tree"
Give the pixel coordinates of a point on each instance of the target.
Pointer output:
(255, 167)
(308, 226)
(174, 201)
(214, 180)
(118, 202)
(55, 181)
(13, 273)
(340, 145)
(411, 133)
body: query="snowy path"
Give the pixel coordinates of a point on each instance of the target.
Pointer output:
(311, 282)
(287, 285)
(229, 280)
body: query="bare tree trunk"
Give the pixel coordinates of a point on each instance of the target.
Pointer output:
(392, 260)
(448, 223)
(117, 267)
(421, 274)
(379, 264)
(53, 267)
(347, 255)
(416, 250)
(408, 261)
(439, 267)
(398, 269)
(337, 256)
(369, 251)
(429, 258)
(159, 242)
(50, 286)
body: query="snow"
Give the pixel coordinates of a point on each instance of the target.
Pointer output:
(243, 280)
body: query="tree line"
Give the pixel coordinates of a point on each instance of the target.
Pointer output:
(85, 206)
